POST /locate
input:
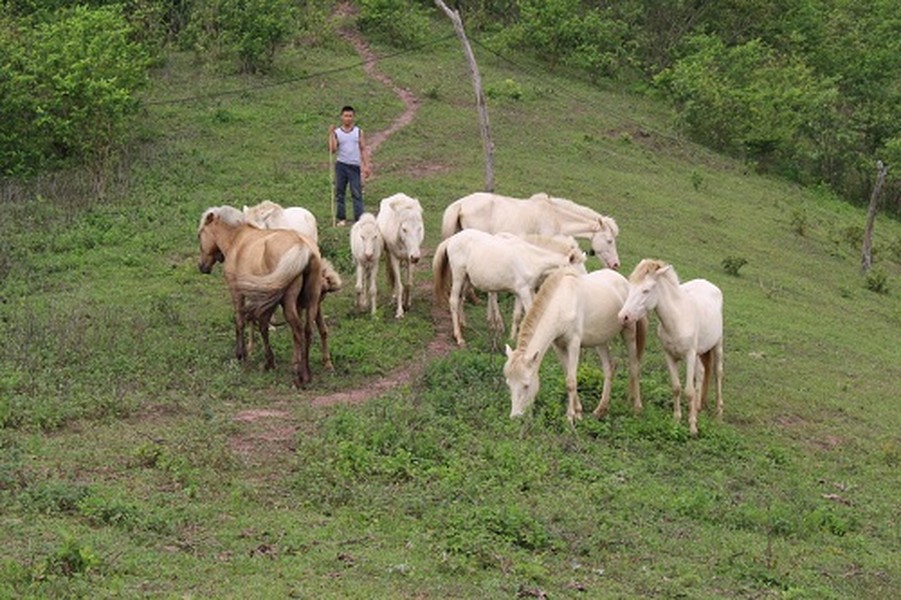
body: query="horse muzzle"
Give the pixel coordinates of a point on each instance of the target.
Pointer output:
(205, 268)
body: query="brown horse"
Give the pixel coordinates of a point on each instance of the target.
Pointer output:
(265, 269)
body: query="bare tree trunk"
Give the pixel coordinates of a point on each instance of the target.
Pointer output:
(866, 258)
(487, 144)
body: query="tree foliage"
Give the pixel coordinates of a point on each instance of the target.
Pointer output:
(67, 87)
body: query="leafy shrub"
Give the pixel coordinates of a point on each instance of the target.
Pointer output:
(248, 30)
(877, 281)
(732, 264)
(747, 99)
(400, 23)
(68, 91)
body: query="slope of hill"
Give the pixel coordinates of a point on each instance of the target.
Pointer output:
(141, 459)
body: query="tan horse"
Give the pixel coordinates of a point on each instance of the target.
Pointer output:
(570, 312)
(264, 269)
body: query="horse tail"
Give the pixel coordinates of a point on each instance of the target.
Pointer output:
(450, 222)
(641, 334)
(441, 273)
(707, 362)
(263, 292)
(311, 292)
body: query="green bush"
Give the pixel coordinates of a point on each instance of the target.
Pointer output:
(250, 31)
(68, 88)
(397, 22)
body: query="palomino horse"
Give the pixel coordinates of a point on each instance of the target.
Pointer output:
(541, 213)
(493, 263)
(366, 247)
(691, 327)
(269, 215)
(570, 312)
(264, 269)
(400, 223)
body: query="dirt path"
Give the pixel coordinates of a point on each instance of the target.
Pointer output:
(266, 435)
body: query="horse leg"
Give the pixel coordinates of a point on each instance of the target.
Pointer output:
(629, 335)
(456, 309)
(691, 391)
(240, 349)
(673, 366)
(361, 298)
(408, 288)
(373, 291)
(495, 319)
(292, 318)
(607, 365)
(263, 327)
(569, 358)
(398, 287)
(323, 340)
(718, 361)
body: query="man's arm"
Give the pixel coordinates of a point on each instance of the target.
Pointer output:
(364, 157)
(332, 140)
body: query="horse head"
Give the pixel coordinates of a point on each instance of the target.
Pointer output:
(210, 253)
(410, 236)
(521, 373)
(643, 290)
(603, 242)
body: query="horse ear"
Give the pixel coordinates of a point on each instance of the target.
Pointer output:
(508, 350)
(209, 218)
(534, 358)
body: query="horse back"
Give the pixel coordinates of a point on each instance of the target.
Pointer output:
(708, 301)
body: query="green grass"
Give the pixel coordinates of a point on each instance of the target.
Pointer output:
(124, 472)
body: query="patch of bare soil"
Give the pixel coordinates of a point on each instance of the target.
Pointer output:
(267, 434)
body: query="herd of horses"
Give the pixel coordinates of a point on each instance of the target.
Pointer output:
(493, 244)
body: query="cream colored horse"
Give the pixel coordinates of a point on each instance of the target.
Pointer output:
(492, 263)
(493, 213)
(400, 223)
(264, 269)
(691, 327)
(574, 311)
(269, 215)
(366, 247)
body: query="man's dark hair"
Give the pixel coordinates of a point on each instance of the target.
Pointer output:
(348, 108)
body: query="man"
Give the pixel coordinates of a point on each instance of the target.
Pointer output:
(351, 165)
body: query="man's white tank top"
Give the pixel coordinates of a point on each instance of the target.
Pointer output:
(349, 146)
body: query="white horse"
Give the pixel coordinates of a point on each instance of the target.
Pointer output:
(269, 215)
(492, 263)
(570, 312)
(541, 213)
(400, 223)
(366, 247)
(691, 327)
(563, 244)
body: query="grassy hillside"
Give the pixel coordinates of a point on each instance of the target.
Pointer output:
(140, 459)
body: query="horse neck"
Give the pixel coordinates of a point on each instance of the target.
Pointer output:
(546, 329)
(227, 234)
(672, 305)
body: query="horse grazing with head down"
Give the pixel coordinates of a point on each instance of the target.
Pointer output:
(691, 328)
(496, 263)
(400, 223)
(269, 215)
(264, 269)
(366, 247)
(547, 215)
(574, 311)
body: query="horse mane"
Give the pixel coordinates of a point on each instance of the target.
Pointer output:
(229, 214)
(650, 265)
(577, 209)
(540, 303)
